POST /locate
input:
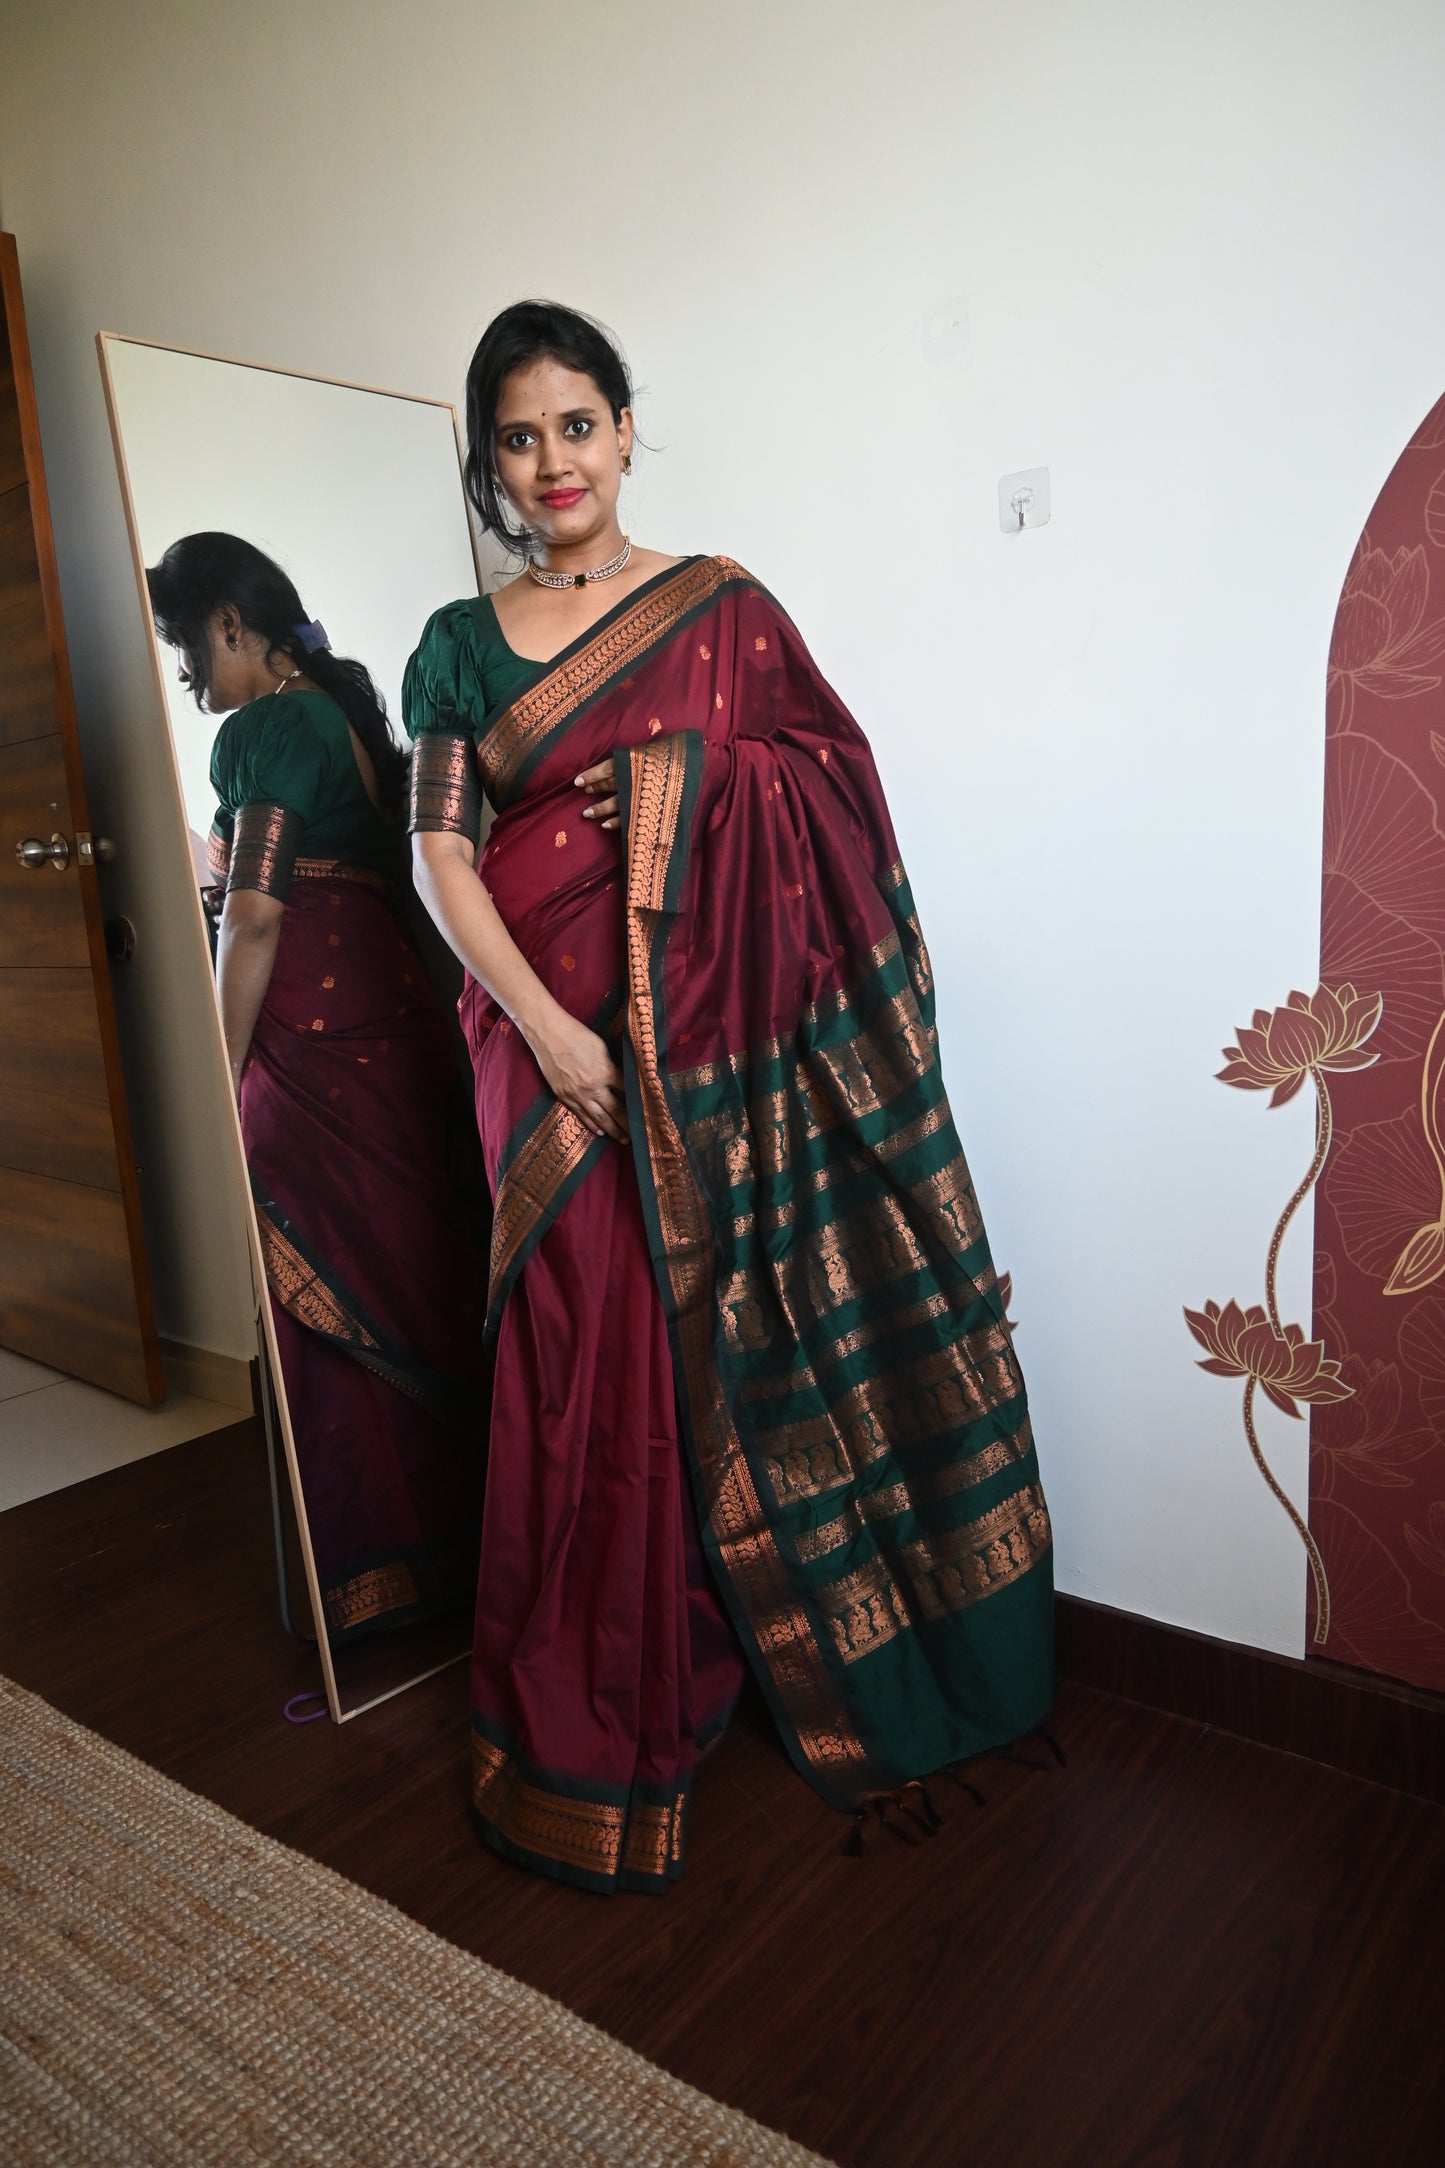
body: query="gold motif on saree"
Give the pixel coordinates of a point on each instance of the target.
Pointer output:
(263, 849)
(941, 1392)
(866, 1073)
(948, 1573)
(865, 1610)
(521, 729)
(848, 1260)
(742, 1313)
(923, 1312)
(868, 1608)
(218, 854)
(446, 796)
(874, 1506)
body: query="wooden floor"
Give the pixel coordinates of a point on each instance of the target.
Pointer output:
(1180, 1949)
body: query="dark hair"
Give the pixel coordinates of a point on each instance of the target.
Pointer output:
(531, 331)
(201, 572)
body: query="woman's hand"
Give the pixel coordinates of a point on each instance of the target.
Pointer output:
(600, 784)
(582, 1073)
(574, 1060)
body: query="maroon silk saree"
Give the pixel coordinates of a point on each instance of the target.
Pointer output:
(787, 1269)
(375, 1292)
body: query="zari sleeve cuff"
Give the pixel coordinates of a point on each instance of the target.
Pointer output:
(446, 796)
(263, 849)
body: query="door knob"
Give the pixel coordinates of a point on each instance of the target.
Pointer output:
(32, 852)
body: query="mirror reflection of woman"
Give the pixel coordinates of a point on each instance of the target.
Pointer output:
(755, 1401)
(341, 1054)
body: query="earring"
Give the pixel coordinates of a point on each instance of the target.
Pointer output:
(231, 640)
(627, 462)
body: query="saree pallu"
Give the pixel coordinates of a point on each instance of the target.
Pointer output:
(375, 1292)
(853, 1417)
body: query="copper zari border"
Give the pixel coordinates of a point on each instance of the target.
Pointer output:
(336, 869)
(301, 1291)
(531, 1181)
(371, 1594)
(264, 844)
(298, 1283)
(655, 793)
(549, 1152)
(602, 1843)
(446, 795)
(520, 731)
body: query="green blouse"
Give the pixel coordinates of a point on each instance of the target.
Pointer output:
(294, 750)
(462, 672)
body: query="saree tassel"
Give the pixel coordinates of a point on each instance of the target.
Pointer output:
(875, 1809)
(914, 1803)
(907, 1814)
(1027, 1761)
(955, 1776)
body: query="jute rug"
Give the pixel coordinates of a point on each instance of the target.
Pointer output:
(176, 1988)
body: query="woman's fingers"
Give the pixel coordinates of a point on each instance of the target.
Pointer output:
(602, 1118)
(603, 778)
(611, 1106)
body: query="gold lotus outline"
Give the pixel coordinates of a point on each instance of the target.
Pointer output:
(1256, 1344)
(1423, 1258)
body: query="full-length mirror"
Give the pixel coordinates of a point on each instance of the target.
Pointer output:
(292, 535)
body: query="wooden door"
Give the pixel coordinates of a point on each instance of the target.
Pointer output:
(74, 1285)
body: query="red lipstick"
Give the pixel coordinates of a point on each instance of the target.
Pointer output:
(561, 500)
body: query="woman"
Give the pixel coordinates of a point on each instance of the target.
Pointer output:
(737, 1264)
(342, 1056)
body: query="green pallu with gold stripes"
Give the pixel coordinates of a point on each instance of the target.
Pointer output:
(856, 1419)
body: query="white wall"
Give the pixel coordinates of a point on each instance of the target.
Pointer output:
(1199, 250)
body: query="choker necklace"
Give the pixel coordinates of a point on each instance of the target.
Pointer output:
(581, 579)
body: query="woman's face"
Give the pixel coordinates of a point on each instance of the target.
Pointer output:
(559, 453)
(229, 671)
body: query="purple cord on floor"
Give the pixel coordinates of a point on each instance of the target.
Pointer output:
(311, 1715)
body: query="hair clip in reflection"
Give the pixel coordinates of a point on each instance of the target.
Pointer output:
(311, 636)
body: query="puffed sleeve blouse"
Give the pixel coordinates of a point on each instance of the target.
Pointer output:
(288, 787)
(462, 674)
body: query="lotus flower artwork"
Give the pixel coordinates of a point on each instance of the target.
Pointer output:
(1383, 643)
(1423, 1257)
(1309, 1036)
(1311, 1032)
(1286, 1366)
